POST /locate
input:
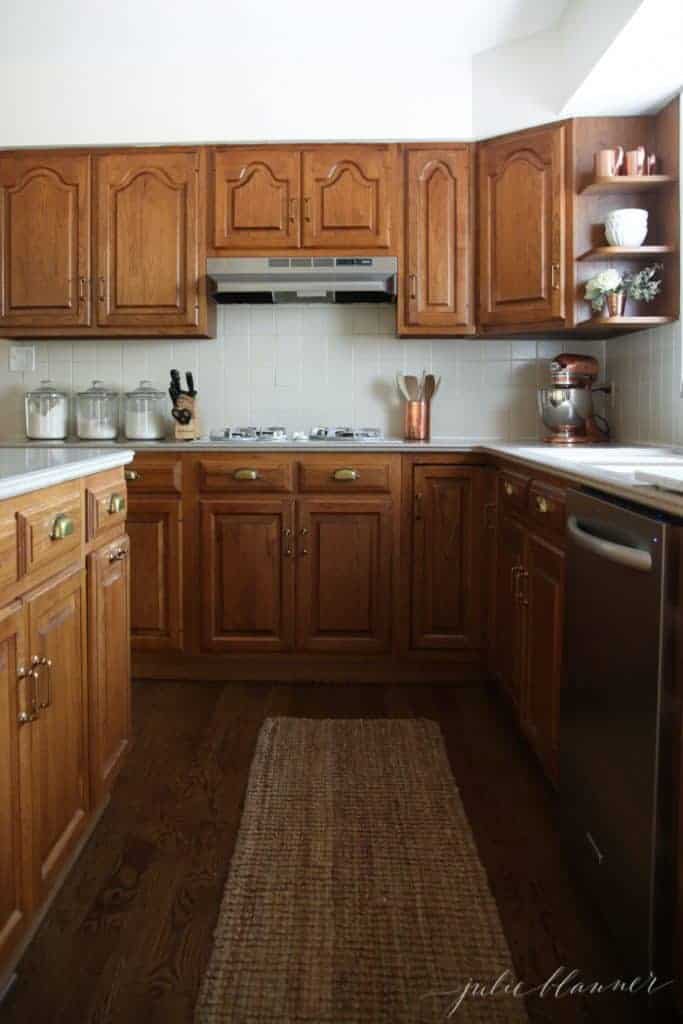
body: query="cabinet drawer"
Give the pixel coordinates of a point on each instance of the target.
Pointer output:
(105, 502)
(49, 527)
(154, 474)
(514, 488)
(345, 474)
(246, 474)
(547, 507)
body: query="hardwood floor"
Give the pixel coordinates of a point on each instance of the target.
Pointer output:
(129, 935)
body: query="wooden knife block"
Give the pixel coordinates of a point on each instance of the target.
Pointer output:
(188, 431)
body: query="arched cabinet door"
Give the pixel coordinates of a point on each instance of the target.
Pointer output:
(438, 238)
(148, 238)
(257, 198)
(44, 240)
(522, 228)
(347, 197)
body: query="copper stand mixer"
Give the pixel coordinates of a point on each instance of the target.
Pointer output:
(566, 407)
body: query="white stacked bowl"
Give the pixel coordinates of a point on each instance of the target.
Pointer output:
(626, 228)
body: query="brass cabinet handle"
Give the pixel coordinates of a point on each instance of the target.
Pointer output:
(523, 591)
(303, 532)
(345, 474)
(292, 210)
(118, 555)
(100, 289)
(26, 716)
(412, 282)
(307, 208)
(81, 289)
(514, 574)
(542, 503)
(508, 488)
(38, 664)
(117, 503)
(246, 474)
(418, 505)
(132, 474)
(555, 276)
(288, 550)
(62, 526)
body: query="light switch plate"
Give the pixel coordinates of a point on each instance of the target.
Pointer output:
(22, 358)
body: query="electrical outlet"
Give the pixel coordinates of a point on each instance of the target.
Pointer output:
(22, 358)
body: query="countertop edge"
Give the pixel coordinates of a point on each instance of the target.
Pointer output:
(38, 479)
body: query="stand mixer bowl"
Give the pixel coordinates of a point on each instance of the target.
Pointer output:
(565, 410)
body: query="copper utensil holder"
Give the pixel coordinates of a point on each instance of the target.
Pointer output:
(416, 425)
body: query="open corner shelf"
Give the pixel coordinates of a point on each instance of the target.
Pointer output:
(628, 183)
(620, 252)
(614, 324)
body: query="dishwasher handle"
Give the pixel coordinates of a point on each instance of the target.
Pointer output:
(621, 554)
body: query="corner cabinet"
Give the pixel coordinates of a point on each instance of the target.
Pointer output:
(275, 198)
(44, 240)
(438, 241)
(522, 229)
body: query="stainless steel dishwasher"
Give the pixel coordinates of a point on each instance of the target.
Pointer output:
(618, 713)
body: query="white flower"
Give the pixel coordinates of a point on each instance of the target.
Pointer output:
(602, 283)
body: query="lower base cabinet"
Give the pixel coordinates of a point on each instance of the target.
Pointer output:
(155, 530)
(108, 663)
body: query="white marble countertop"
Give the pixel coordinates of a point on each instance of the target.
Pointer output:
(607, 467)
(29, 468)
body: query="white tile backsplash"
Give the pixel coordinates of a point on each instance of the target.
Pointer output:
(301, 366)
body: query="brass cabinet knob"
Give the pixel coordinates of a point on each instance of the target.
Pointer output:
(542, 503)
(345, 474)
(246, 474)
(509, 489)
(118, 555)
(62, 526)
(132, 474)
(117, 504)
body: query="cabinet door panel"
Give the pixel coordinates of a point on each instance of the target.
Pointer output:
(439, 242)
(148, 238)
(247, 574)
(44, 240)
(60, 792)
(522, 224)
(15, 880)
(109, 663)
(344, 575)
(447, 558)
(347, 192)
(256, 195)
(509, 612)
(544, 591)
(154, 530)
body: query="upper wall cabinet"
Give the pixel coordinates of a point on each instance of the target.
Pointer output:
(44, 233)
(522, 229)
(257, 198)
(438, 243)
(321, 197)
(148, 239)
(142, 226)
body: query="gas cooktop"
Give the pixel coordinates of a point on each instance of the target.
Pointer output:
(255, 435)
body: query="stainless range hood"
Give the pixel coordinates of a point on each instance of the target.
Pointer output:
(303, 279)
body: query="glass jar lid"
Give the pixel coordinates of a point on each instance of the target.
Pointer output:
(97, 390)
(47, 389)
(145, 390)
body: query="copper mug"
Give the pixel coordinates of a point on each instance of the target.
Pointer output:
(635, 162)
(416, 426)
(608, 162)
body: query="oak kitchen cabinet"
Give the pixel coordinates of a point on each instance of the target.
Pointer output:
(522, 228)
(105, 244)
(438, 272)
(314, 197)
(530, 607)
(64, 689)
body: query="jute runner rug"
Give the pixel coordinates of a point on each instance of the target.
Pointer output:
(355, 893)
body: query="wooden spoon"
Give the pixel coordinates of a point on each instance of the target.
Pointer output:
(412, 388)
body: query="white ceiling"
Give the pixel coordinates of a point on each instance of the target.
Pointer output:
(161, 31)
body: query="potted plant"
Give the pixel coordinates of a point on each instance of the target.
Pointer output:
(606, 287)
(644, 286)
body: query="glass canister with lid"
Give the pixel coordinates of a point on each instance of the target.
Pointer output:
(47, 413)
(97, 413)
(144, 416)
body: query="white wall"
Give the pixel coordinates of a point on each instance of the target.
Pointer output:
(299, 366)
